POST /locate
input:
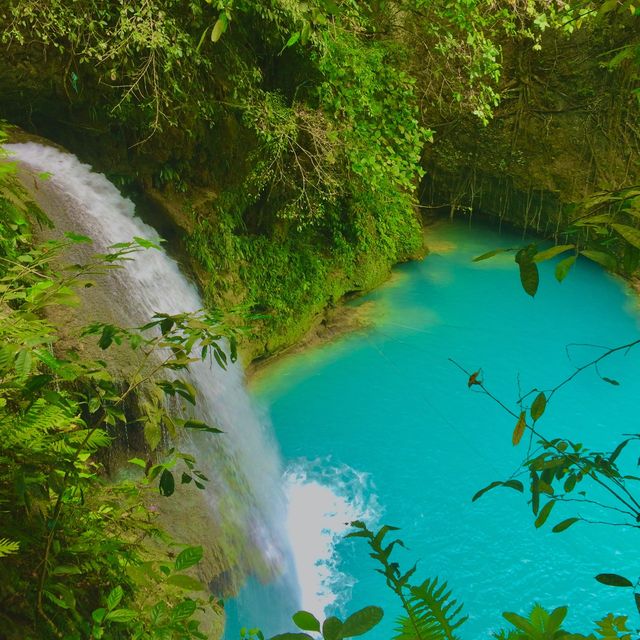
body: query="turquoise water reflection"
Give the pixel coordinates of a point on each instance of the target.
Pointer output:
(387, 402)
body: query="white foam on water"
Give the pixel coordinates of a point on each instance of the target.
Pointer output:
(323, 499)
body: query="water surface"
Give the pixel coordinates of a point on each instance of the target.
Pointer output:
(382, 425)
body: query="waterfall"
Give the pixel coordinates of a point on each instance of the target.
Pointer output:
(243, 466)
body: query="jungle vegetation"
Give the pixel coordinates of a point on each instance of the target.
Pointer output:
(294, 137)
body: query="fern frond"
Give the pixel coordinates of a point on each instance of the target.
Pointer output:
(8, 547)
(432, 613)
(413, 628)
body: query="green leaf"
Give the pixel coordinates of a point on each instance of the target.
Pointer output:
(529, 276)
(565, 524)
(146, 244)
(630, 234)
(152, 434)
(293, 39)
(186, 582)
(98, 615)
(604, 259)
(521, 623)
(77, 238)
(556, 618)
(188, 558)
(615, 383)
(23, 363)
(490, 254)
(511, 484)
(114, 597)
(219, 28)
(535, 492)
(167, 483)
(562, 268)
(200, 426)
(184, 610)
(306, 32)
(306, 621)
(538, 406)
(518, 432)
(138, 462)
(106, 338)
(8, 547)
(331, 628)
(544, 513)
(361, 621)
(66, 570)
(613, 580)
(121, 615)
(201, 41)
(552, 252)
(516, 485)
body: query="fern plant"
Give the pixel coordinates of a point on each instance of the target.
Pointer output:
(430, 611)
(8, 547)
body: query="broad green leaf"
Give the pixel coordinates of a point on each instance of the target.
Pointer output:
(145, 244)
(604, 259)
(77, 238)
(518, 432)
(552, 252)
(361, 621)
(615, 383)
(108, 333)
(219, 28)
(544, 513)
(98, 615)
(521, 623)
(152, 434)
(613, 580)
(114, 597)
(538, 406)
(565, 524)
(556, 618)
(630, 234)
(331, 629)
(188, 558)
(167, 483)
(490, 254)
(529, 276)
(138, 462)
(121, 615)
(562, 268)
(306, 621)
(293, 39)
(185, 582)
(184, 610)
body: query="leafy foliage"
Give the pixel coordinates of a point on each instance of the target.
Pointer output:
(430, 611)
(71, 541)
(332, 628)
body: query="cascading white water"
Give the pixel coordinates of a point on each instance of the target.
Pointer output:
(243, 464)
